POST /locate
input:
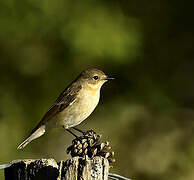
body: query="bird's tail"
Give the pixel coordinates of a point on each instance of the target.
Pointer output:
(36, 134)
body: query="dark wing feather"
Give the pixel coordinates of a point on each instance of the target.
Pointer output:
(64, 100)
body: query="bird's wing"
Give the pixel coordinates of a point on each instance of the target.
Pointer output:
(65, 99)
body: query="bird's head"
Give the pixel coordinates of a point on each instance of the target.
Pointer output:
(94, 78)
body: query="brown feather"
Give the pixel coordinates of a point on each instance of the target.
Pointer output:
(64, 100)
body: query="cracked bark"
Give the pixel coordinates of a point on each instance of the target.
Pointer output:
(75, 168)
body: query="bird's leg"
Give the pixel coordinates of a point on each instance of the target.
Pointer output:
(74, 134)
(79, 130)
(71, 132)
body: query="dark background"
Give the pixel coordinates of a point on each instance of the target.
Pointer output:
(146, 113)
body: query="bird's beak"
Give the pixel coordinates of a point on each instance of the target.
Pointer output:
(108, 78)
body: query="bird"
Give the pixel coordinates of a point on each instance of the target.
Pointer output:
(73, 105)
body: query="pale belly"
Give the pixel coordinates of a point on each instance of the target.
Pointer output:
(78, 111)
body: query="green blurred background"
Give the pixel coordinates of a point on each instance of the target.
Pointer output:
(146, 113)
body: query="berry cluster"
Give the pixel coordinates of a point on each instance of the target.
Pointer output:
(89, 144)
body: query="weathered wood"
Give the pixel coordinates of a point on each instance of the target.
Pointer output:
(76, 168)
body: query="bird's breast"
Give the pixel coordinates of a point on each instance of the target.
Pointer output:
(84, 104)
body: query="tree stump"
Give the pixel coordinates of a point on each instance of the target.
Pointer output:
(76, 168)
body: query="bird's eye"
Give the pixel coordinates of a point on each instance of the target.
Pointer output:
(95, 77)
